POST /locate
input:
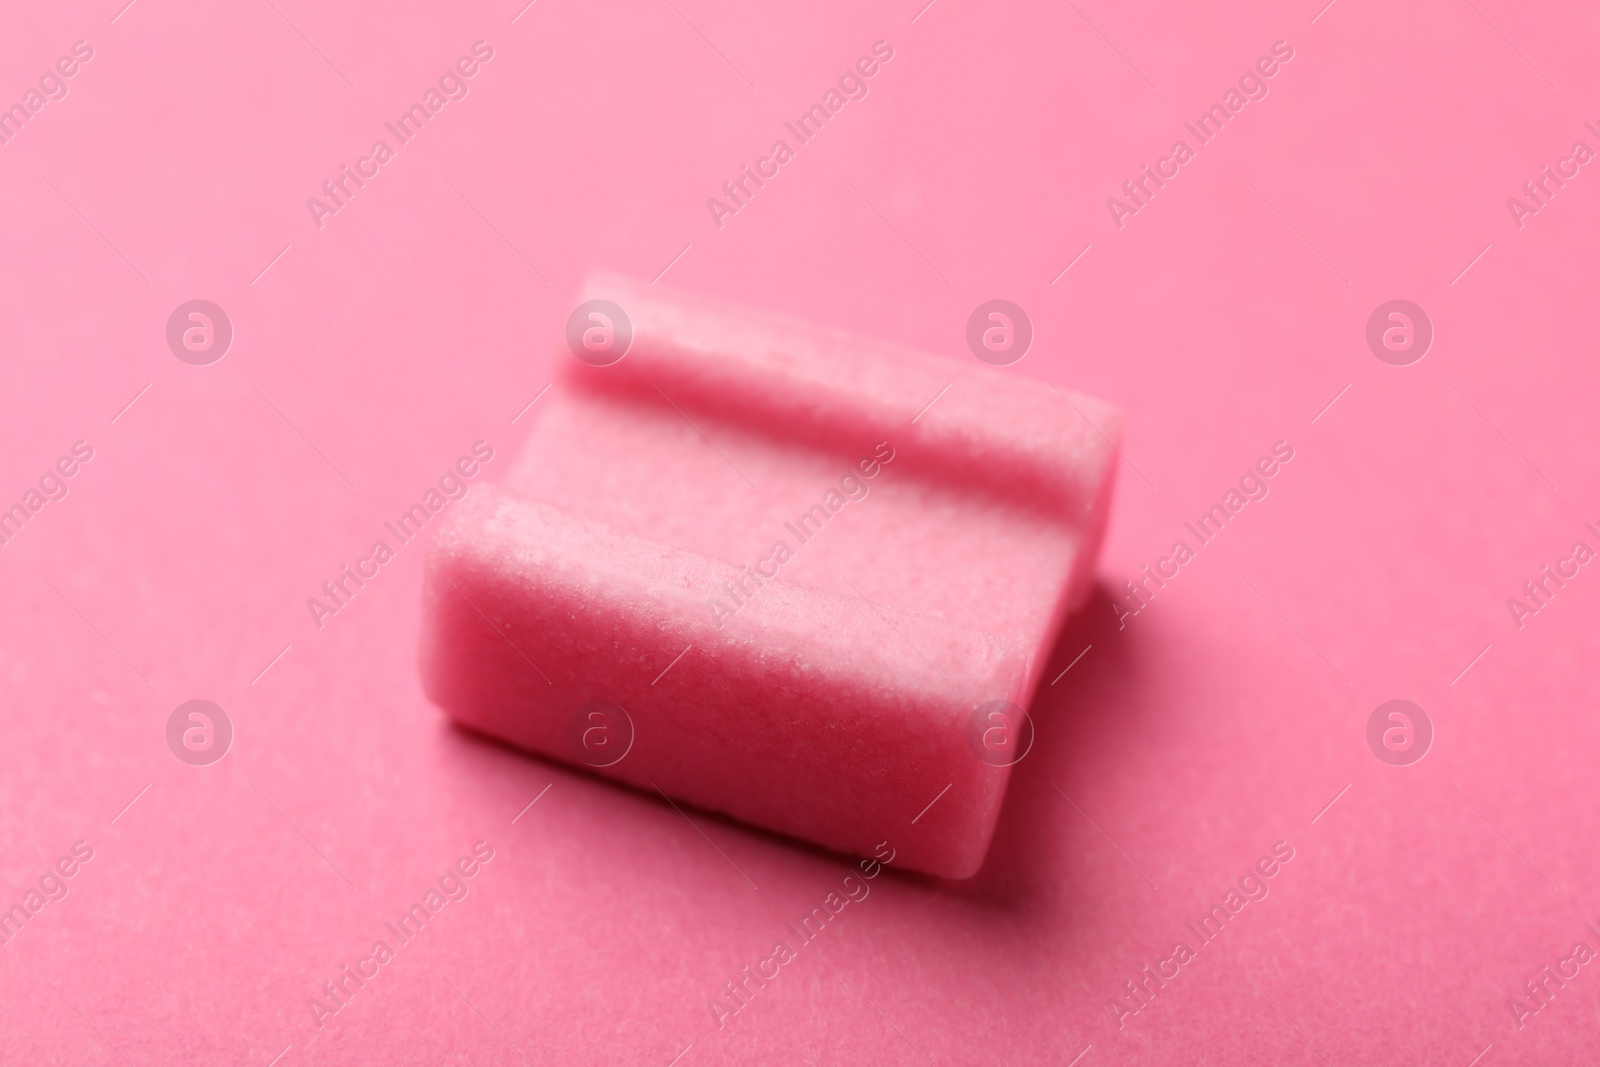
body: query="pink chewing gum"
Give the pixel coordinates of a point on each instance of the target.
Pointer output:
(805, 578)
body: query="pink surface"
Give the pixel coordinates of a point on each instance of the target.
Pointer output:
(1223, 316)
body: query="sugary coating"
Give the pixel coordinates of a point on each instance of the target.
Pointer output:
(858, 576)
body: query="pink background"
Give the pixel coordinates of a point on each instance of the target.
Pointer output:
(1223, 317)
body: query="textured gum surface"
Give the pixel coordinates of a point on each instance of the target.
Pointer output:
(830, 701)
(808, 712)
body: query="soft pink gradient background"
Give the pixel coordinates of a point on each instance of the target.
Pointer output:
(408, 328)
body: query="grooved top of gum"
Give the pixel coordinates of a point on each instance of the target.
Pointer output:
(722, 426)
(996, 430)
